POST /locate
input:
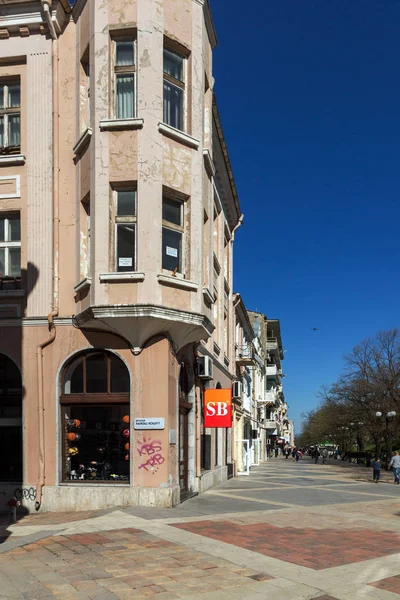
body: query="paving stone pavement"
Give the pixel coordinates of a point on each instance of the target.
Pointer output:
(288, 530)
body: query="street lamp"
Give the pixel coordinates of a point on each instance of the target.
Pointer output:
(389, 415)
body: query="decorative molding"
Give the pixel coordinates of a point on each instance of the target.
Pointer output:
(178, 135)
(208, 162)
(17, 179)
(83, 285)
(184, 284)
(11, 159)
(207, 295)
(118, 124)
(34, 322)
(120, 277)
(83, 141)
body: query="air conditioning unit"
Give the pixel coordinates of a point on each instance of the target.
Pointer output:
(237, 389)
(205, 367)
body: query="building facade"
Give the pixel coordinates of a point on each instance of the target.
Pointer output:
(118, 216)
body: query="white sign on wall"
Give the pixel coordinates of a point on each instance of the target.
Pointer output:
(155, 423)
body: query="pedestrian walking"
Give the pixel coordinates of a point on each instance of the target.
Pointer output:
(294, 454)
(395, 464)
(325, 455)
(297, 455)
(287, 453)
(376, 465)
(316, 455)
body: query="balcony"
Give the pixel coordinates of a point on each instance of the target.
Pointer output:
(270, 424)
(245, 355)
(272, 343)
(269, 399)
(271, 370)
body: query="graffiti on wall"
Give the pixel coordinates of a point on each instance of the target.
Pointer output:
(21, 493)
(150, 452)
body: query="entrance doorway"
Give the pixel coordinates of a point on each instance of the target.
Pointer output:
(184, 409)
(10, 421)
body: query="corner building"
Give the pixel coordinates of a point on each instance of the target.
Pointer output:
(118, 214)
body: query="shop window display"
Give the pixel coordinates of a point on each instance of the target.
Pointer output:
(96, 419)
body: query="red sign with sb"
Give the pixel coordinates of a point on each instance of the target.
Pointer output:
(218, 408)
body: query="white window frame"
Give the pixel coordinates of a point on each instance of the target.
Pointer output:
(8, 244)
(181, 84)
(124, 220)
(6, 112)
(124, 70)
(177, 228)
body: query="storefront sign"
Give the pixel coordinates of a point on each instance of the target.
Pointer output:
(155, 423)
(218, 408)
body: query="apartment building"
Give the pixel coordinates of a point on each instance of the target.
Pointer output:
(118, 216)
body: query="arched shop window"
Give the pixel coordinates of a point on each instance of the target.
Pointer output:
(95, 416)
(10, 421)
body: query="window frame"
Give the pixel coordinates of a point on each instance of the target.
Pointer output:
(7, 111)
(177, 228)
(124, 70)
(7, 244)
(124, 220)
(179, 84)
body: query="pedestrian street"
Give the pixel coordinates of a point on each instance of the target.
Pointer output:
(288, 530)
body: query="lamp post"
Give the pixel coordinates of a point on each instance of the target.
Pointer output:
(389, 415)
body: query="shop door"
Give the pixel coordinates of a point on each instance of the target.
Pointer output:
(243, 457)
(184, 409)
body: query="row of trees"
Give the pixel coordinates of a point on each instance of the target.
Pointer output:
(363, 406)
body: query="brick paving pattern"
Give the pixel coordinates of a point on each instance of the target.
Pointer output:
(304, 547)
(390, 584)
(119, 564)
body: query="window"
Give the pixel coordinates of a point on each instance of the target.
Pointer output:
(124, 78)
(84, 89)
(125, 230)
(85, 238)
(10, 115)
(10, 245)
(96, 417)
(174, 89)
(172, 234)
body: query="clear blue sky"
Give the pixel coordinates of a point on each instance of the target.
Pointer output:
(309, 95)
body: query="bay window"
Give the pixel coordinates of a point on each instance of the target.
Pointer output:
(125, 229)
(174, 89)
(10, 115)
(172, 234)
(10, 245)
(124, 78)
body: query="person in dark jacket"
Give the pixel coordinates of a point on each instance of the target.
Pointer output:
(376, 465)
(316, 455)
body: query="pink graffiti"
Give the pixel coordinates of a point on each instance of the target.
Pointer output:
(153, 461)
(151, 449)
(148, 447)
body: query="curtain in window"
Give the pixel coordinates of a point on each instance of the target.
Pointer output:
(14, 130)
(173, 105)
(125, 97)
(1, 132)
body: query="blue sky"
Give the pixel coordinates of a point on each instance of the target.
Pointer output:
(309, 95)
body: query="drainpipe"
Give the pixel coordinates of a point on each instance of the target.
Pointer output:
(56, 220)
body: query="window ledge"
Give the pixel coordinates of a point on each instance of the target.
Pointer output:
(207, 295)
(83, 285)
(12, 293)
(12, 159)
(83, 141)
(128, 276)
(178, 135)
(209, 163)
(111, 124)
(184, 284)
